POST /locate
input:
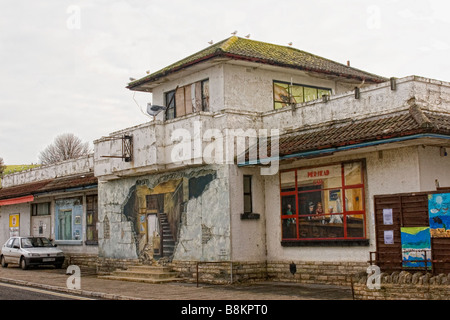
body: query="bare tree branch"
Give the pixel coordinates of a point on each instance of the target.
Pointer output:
(2, 166)
(65, 146)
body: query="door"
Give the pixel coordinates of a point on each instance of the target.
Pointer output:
(6, 250)
(65, 225)
(15, 253)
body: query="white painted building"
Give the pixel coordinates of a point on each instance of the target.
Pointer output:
(177, 187)
(239, 216)
(56, 201)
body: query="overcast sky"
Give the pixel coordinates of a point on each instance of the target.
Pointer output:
(64, 65)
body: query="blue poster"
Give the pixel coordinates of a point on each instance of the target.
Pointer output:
(438, 205)
(416, 247)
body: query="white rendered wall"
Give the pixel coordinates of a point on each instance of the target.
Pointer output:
(395, 172)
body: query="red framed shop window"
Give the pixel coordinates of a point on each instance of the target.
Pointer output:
(323, 203)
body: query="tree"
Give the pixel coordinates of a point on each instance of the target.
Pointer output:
(65, 146)
(2, 166)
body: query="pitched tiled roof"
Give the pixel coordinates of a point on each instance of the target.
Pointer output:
(22, 190)
(49, 185)
(309, 143)
(266, 53)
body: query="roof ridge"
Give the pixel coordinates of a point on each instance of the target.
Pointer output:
(419, 116)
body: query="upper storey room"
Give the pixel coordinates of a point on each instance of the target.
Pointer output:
(247, 75)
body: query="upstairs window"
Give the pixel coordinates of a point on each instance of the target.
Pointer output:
(170, 105)
(188, 99)
(285, 93)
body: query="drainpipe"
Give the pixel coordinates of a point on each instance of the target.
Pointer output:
(230, 213)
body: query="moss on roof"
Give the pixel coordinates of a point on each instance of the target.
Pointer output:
(266, 53)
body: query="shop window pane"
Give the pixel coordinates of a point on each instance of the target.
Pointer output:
(297, 93)
(287, 181)
(41, 209)
(279, 105)
(310, 200)
(310, 94)
(324, 92)
(325, 177)
(333, 201)
(288, 205)
(353, 173)
(289, 228)
(281, 92)
(354, 199)
(355, 226)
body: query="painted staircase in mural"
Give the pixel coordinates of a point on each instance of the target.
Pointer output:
(168, 241)
(149, 273)
(144, 273)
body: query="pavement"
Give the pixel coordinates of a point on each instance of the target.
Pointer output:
(96, 288)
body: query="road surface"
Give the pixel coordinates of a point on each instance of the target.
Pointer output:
(15, 292)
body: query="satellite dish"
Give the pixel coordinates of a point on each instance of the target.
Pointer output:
(154, 110)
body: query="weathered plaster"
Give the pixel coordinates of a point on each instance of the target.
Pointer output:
(210, 210)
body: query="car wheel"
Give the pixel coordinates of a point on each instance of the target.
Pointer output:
(23, 264)
(4, 264)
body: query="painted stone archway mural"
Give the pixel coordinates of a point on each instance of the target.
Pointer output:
(154, 217)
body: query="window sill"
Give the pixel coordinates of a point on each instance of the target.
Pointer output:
(326, 243)
(250, 216)
(69, 242)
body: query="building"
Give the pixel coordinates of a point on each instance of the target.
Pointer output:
(266, 157)
(58, 202)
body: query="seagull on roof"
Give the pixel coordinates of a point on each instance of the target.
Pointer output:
(211, 42)
(132, 79)
(290, 43)
(234, 33)
(248, 36)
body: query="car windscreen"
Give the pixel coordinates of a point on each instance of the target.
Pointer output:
(36, 243)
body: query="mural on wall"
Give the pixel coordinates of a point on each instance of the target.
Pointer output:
(155, 213)
(438, 205)
(416, 247)
(68, 219)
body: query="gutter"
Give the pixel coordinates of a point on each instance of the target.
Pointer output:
(329, 151)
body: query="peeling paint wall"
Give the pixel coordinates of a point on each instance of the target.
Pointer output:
(204, 231)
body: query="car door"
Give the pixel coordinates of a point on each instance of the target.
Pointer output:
(6, 250)
(15, 251)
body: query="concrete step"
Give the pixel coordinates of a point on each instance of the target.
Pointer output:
(144, 273)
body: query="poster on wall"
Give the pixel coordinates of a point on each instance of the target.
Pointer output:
(387, 217)
(439, 215)
(389, 237)
(416, 247)
(14, 224)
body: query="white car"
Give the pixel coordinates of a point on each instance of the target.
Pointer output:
(28, 251)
